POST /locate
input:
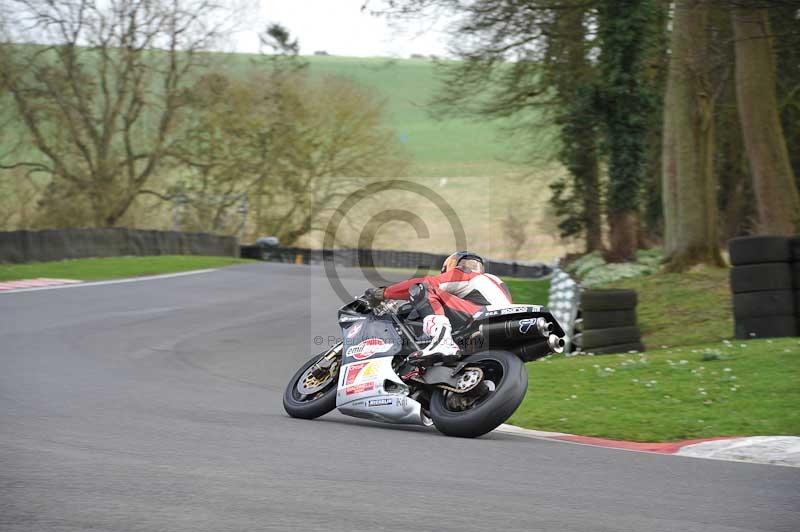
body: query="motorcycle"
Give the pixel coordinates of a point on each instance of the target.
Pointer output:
(368, 373)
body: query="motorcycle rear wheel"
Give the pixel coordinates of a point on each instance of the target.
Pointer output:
(313, 405)
(506, 382)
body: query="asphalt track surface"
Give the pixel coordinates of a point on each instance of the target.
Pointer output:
(156, 406)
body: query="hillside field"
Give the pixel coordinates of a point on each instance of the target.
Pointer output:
(474, 165)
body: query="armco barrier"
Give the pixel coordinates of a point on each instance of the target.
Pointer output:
(386, 258)
(58, 244)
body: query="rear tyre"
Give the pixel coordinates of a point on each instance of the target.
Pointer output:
(505, 382)
(312, 405)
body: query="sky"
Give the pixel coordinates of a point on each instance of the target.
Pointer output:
(340, 27)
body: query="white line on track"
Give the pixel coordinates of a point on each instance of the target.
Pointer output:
(115, 281)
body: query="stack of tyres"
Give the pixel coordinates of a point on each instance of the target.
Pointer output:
(607, 322)
(764, 283)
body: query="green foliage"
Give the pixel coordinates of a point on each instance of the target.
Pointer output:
(579, 153)
(624, 98)
(699, 391)
(592, 270)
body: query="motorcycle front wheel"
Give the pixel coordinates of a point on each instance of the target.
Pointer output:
(308, 396)
(473, 414)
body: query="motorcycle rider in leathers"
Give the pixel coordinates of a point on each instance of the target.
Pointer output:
(452, 297)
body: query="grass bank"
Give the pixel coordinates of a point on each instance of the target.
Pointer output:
(694, 381)
(113, 267)
(728, 388)
(682, 309)
(533, 291)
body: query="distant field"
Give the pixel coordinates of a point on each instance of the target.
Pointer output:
(451, 147)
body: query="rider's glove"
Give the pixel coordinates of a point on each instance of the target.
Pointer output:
(373, 296)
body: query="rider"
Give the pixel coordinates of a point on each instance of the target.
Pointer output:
(452, 297)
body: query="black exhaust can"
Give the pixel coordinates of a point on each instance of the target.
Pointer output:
(533, 351)
(503, 333)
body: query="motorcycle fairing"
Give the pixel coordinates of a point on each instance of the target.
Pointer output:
(369, 338)
(366, 373)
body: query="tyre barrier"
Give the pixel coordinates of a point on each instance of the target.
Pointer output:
(371, 258)
(60, 244)
(607, 322)
(765, 283)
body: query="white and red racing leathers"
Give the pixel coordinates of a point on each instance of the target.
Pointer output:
(457, 294)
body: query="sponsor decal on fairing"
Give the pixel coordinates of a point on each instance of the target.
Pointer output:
(367, 348)
(354, 330)
(361, 371)
(379, 402)
(359, 388)
(352, 372)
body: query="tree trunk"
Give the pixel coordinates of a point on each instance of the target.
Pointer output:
(690, 199)
(592, 208)
(669, 176)
(623, 236)
(773, 181)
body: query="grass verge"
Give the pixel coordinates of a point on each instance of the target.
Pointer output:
(729, 388)
(113, 267)
(533, 291)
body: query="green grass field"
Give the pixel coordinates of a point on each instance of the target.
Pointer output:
(728, 388)
(532, 291)
(449, 147)
(113, 268)
(705, 384)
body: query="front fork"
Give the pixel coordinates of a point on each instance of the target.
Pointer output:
(332, 359)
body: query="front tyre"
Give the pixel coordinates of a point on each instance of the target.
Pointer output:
(309, 397)
(505, 382)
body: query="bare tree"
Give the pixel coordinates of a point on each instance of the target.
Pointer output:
(98, 89)
(289, 145)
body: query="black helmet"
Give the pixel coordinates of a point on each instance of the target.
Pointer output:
(464, 259)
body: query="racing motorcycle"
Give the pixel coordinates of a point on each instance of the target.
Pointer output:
(368, 373)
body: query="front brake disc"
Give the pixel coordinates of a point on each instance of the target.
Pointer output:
(308, 384)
